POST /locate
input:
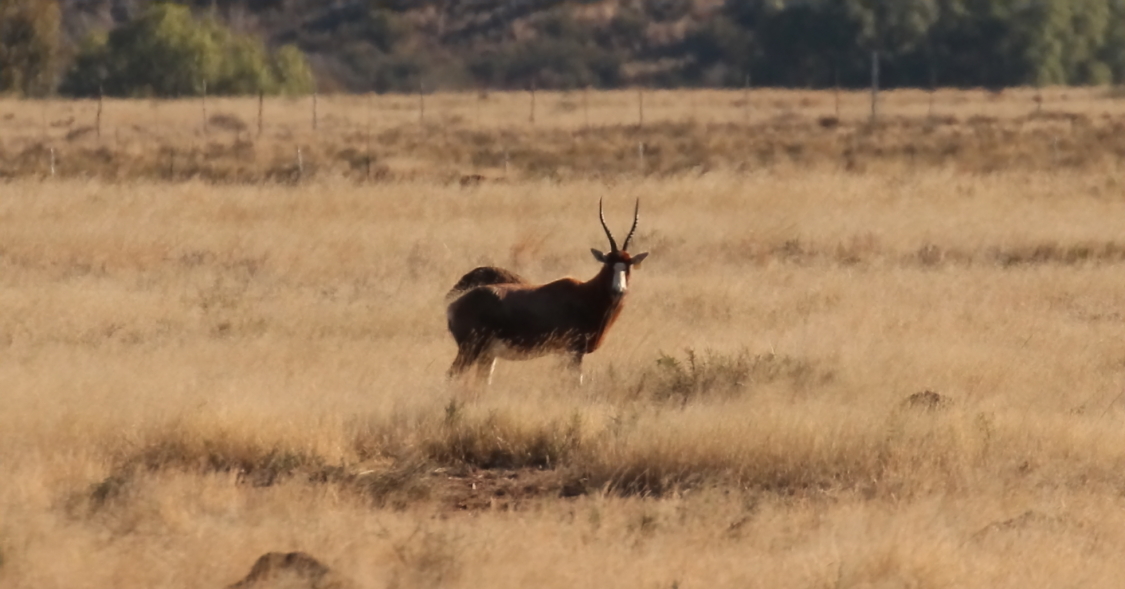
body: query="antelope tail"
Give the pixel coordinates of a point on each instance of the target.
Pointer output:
(483, 276)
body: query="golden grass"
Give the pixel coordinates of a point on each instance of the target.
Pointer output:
(573, 135)
(195, 374)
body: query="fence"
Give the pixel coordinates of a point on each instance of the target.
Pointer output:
(500, 133)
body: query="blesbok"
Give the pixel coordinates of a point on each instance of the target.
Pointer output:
(498, 315)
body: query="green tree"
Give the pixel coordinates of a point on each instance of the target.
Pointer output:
(385, 29)
(893, 26)
(29, 46)
(167, 52)
(291, 71)
(818, 39)
(1112, 53)
(1088, 30)
(961, 42)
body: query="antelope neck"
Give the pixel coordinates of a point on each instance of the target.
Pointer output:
(606, 279)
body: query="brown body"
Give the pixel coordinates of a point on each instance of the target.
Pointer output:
(498, 315)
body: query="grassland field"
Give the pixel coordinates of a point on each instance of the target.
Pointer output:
(859, 355)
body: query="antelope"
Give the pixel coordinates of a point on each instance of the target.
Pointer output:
(497, 314)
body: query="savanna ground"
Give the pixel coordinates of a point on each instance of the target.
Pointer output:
(858, 356)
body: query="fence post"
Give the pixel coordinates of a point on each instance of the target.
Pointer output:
(933, 90)
(640, 108)
(204, 106)
(531, 117)
(98, 118)
(368, 136)
(874, 86)
(836, 89)
(746, 101)
(586, 105)
(482, 92)
(52, 162)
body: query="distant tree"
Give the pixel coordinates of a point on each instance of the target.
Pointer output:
(548, 63)
(385, 28)
(1052, 41)
(991, 43)
(627, 30)
(167, 52)
(563, 52)
(892, 26)
(291, 71)
(29, 46)
(1112, 53)
(668, 10)
(1084, 29)
(808, 44)
(720, 52)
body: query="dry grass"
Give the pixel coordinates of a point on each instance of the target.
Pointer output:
(905, 376)
(471, 136)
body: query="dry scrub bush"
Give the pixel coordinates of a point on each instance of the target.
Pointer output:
(711, 373)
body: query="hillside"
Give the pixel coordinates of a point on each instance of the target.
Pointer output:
(357, 45)
(395, 45)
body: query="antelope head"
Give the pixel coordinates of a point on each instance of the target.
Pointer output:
(619, 261)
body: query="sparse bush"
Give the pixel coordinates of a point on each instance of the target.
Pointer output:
(177, 447)
(711, 374)
(499, 442)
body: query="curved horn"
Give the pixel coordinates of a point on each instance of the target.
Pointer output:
(636, 217)
(612, 243)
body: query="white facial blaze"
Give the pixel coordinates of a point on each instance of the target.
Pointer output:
(619, 285)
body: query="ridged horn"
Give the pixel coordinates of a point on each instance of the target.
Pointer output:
(636, 217)
(601, 215)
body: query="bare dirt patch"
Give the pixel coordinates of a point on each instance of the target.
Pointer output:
(503, 489)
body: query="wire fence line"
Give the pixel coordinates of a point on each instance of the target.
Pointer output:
(372, 137)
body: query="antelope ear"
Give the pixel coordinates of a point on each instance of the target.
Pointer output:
(598, 255)
(637, 259)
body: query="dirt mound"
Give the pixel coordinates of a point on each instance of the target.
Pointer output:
(290, 570)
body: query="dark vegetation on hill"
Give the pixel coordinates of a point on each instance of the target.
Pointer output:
(400, 45)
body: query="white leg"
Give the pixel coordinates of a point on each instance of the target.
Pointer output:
(575, 365)
(483, 370)
(491, 369)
